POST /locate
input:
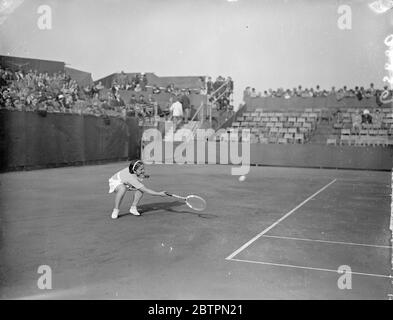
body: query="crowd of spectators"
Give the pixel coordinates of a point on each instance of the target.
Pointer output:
(58, 93)
(32, 91)
(139, 83)
(358, 92)
(220, 92)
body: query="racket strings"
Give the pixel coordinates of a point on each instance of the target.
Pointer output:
(196, 203)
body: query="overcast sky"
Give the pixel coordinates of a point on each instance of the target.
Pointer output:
(262, 44)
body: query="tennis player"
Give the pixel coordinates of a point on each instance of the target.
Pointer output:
(130, 179)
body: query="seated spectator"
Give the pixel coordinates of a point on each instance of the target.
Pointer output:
(340, 95)
(324, 93)
(156, 89)
(306, 93)
(366, 117)
(202, 91)
(279, 92)
(170, 88)
(368, 94)
(287, 94)
(138, 88)
(132, 99)
(294, 92)
(119, 102)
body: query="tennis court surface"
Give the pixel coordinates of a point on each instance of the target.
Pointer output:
(281, 234)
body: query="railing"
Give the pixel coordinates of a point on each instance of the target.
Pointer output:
(217, 97)
(200, 110)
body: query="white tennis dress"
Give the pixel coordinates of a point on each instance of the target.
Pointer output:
(122, 177)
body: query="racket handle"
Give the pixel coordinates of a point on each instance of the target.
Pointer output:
(174, 195)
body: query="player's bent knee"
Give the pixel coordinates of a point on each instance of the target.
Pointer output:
(121, 188)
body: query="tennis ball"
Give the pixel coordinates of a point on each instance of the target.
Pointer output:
(242, 178)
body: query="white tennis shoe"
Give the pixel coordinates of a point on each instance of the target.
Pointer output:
(134, 211)
(115, 213)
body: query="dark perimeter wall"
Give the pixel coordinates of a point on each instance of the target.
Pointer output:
(290, 155)
(29, 140)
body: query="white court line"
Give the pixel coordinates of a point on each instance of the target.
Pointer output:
(327, 241)
(278, 221)
(310, 268)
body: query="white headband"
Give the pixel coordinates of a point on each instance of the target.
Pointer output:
(133, 167)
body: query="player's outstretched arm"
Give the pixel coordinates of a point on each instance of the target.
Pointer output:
(152, 192)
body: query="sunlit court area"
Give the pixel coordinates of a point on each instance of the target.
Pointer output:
(236, 150)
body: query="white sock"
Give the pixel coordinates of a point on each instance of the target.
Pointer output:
(115, 213)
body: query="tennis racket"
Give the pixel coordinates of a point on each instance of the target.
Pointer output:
(194, 202)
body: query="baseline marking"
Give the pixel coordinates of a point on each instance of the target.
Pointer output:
(278, 221)
(310, 268)
(327, 241)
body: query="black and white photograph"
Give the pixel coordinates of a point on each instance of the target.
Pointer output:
(196, 150)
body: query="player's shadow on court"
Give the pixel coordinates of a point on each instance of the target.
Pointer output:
(170, 207)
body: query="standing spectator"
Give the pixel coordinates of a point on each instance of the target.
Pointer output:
(186, 105)
(371, 89)
(317, 91)
(300, 91)
(247, 92)
(253, 93)
(346, 92)
(176, 113)
(358, 93)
